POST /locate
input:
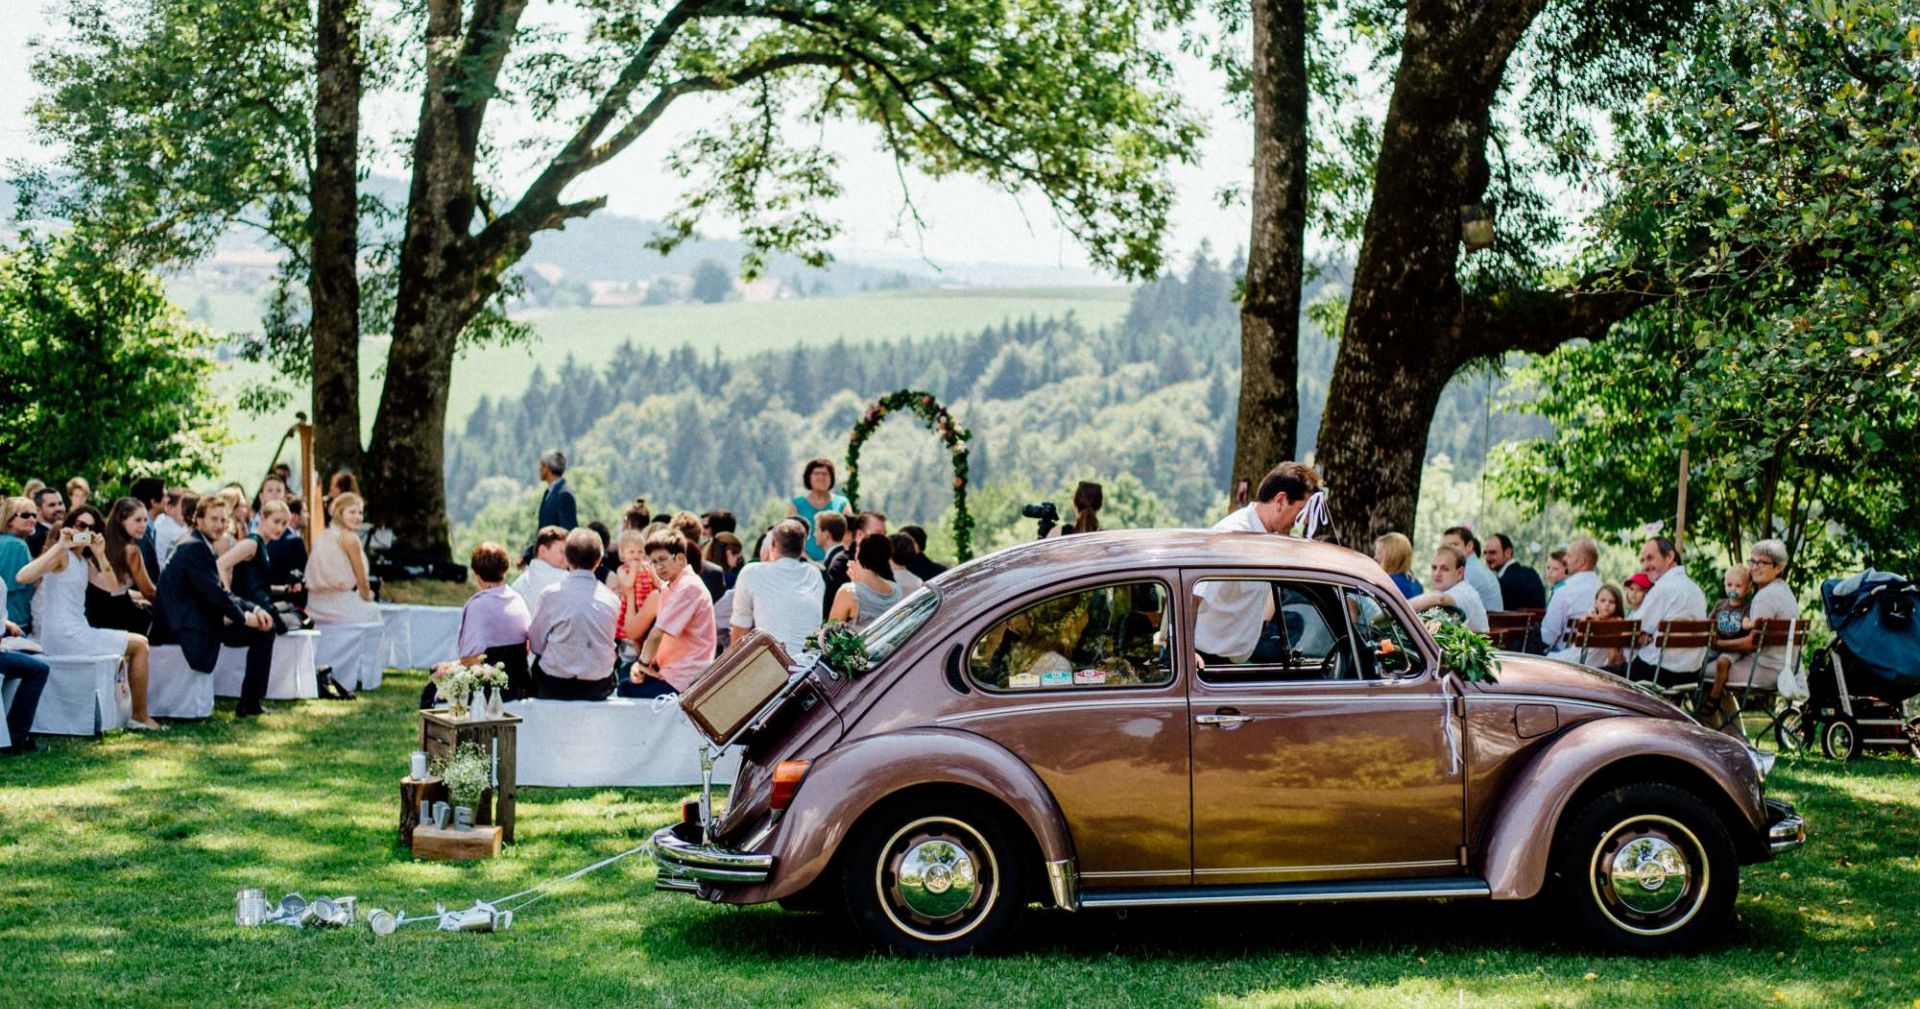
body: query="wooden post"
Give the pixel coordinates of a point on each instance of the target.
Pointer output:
(1680, 523)
(412, 790)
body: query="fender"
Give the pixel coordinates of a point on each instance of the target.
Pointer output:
(1521, 839)
(850, 779)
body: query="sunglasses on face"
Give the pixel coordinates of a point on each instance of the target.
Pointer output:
(83, 527)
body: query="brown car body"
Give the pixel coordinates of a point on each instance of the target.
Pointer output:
(1415, 785)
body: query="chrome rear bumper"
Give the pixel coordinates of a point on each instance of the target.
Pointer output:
(685, 863)
(1786, 829)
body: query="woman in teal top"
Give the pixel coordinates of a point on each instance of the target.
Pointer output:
(818, 478)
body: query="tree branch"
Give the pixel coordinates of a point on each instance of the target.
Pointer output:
(1537, 321)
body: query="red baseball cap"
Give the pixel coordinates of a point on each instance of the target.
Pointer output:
(1640, 578)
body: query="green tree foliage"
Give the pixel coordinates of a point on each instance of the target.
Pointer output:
(100, 374)
(1772, 189)
(711, 282)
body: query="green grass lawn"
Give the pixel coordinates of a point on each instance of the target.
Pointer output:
(735, 328)
(120, 859)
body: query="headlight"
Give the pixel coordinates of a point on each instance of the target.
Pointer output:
(1762, 762)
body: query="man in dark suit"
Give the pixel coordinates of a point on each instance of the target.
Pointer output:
(1520, 586)
(830, 531)
(198, 613)
(52, 511)
(556, 505)
(152, 493)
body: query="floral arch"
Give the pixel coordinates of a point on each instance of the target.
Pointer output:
(941, 422)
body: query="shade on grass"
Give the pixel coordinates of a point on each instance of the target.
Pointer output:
(119, 860)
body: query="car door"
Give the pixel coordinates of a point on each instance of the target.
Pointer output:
(1325, 755)
(1081, 685)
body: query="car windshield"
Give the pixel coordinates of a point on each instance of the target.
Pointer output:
(894, 627)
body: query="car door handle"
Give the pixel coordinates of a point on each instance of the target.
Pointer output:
(1228, 719)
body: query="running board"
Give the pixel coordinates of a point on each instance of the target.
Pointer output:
(1288, 893)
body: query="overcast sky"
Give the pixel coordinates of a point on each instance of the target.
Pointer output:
(965, 221)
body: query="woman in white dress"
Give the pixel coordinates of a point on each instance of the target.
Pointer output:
(337, 588)
(64, 568)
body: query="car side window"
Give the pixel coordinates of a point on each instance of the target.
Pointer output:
(1272, 631)
(1386, 646)
(1110, 636)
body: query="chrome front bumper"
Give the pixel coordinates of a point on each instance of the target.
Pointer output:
(685, 863)
(1786, 829)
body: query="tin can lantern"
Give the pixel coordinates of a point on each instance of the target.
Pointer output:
(250, 908)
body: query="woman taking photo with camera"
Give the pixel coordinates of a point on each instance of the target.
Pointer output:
(72, 560)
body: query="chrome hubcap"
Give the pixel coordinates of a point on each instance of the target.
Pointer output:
(1649, 875)
(937, 878)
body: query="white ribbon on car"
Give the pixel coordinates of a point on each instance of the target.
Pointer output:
(1446, 723)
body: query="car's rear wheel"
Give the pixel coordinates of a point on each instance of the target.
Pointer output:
(934, 879)
(1649, 868)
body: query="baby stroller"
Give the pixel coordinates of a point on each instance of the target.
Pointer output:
(1858, 684)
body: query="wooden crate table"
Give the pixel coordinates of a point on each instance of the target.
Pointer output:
(436, 845)
(440, 734)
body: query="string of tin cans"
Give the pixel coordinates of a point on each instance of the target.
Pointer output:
(251, 909)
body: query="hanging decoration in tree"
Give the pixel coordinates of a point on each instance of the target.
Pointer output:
(952, 434)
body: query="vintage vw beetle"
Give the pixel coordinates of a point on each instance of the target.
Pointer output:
(1037, 726)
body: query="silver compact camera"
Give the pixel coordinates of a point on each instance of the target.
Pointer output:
(83, 537)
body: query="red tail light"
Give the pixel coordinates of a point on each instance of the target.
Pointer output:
(786, 781)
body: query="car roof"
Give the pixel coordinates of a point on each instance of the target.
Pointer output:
(1018, 568)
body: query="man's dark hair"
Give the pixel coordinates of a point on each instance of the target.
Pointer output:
(667, 539)
(40, 496)
(1665, 546)
(1283, 479)
(547, 535)
(904, 547)
(585, 549)
(834, 524)
(789, 537)
(149, 491)
(1506, 545)
(295, 505)
(919, 536)
(721, 521)
(875, 553)
(865, 519)
(1466, 536)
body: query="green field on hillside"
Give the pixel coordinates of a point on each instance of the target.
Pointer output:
(734, 328)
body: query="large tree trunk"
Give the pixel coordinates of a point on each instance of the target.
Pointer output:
(334, 281)
(1269, 414)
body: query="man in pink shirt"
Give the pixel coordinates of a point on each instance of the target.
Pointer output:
(680, 646)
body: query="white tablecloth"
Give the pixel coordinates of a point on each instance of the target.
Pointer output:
(419, 637)
(613, 742)
(85, 696)
(357, 653)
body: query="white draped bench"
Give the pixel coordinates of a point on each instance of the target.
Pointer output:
(176, 691)
(7, 689)
(420, 637)
(86, 695)
(357, 653)
(618, 741)
(173, 689)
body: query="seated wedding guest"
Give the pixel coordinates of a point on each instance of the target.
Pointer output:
(1394, 552)
(287, 556)
(782, 596)
(571, 635)
(634, 584)
(130, 606)
(495, 621)
(1575, 597)
(239, 516)
(337, 588)
(925, 568)
(272, 488)
(868, 524)
(19, 662)
(904, 550)
(1556, 571)
(1520, 585)
(729, 553)
(687, 524)
(547, 568)
(174, 523)
(637, 515)
(830, 534)
(18, 516)
(195, 611)
(248, 567)
(1758, 669)
(1451, 588)
(870, 589)
(682, 640)
(1637, 586)
(79, 492)
(1674, 596)
(75, 557)
(1485, 583)
(51, 513)
(609, 558)
(818, 477)
(1609, 603)
(152, 495)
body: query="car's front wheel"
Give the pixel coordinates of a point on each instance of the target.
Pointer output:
(934, 879)
(1649, 868)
